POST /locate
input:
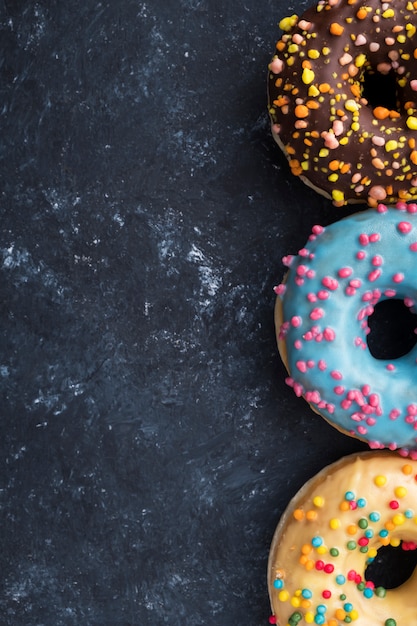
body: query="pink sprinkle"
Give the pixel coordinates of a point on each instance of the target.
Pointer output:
(409, 302)
(329, 334)
(345, 272)
(322, 365)
(301, 270)
(374, 275)
(412, 207)
(362, 430)
(329, 568)
(390, 367)
(350, 291)
(310, 274)
(382, 208)
(336, 375)
(310, 363)
(301, 366)
(412, 409)
(374, 237)
(346, 404)
(280, 289)
(311, 297)
(366, 390)
(374, 399)
(296, 321)
(371, 421)
(409, 419)
(303, 252)
(287, 260)
(401, 206)
(413, 247)
(339, 390)
(356, 283)
(330, 283)
(299, 281)
(297, 344)
(323, 294)
(394, 414)
(390, 293)
(317, 230)
(298, 389)
(316, 313)
(404, 227)
(377, 260)
(361, 255)
(398, 277)
(363, 239)
(357, 417)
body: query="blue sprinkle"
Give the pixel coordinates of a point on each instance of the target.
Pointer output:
(374, 517)
(319, 619)
(307, 594)
(340, 579)
(278, 583)
(321, 609)
(383, 533)
(368, 593)
(369, 533)
(317, 542)
(361, 503)
(349, 495)
(409, 513)
(348, 607)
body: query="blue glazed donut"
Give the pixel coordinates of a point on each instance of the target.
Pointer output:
(322, 311)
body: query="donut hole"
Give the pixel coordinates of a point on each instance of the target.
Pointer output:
(392, 566)
(392, 330)
(381, 90)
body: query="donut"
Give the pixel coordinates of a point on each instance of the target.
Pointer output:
(322, 317)
(320, 563)
(342, 98)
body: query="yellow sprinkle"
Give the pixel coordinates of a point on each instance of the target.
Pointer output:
(338, 196)
(343, 141)
(360, 60)
(321, 550)
(354, 615)
(355, 126)
(313, 54)
(309, 617)
(380, 480)
(334, 523)
(395, 542)
(324, 152)
(308, 76)
(283, 595)
(313, 92)
(325, 50)
(412, 122)
(295, 602)
(400, 492)
(351, 105)
(318, 501)
(398, 519)
(293, 48)
(411, 30)
(391, 145)
(333, 177)
(401, 39)
(372, 552)
(388, 13)
(287, 23)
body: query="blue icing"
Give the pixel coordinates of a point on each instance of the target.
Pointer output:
(353, 264)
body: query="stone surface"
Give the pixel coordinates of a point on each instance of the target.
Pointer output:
(148, 441)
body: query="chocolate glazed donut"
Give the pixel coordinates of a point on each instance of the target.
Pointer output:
(343, 99)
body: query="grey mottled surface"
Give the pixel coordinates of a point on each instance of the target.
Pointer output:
(148, 441)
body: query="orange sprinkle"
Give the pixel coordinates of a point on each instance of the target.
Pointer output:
(344, 506)
(389, 525)
(301, 111)
(306, 64)
(311, 515)
(345, 168)
(290, 149)
(315, 134)
(334, 165)
(345, 76)
(324, 87)
(389, 188)
(352, 529)
(361, 13)
(306, 548)
(340, 112)
(280, 45)
(381, 113)
(303, 559)
(312, 104)
(281, 101)
(356, 91)
(413, 157)
(298, 514)
(407, 469)
(308, 142)
(336, 29)
(394, 115)
(310, 564)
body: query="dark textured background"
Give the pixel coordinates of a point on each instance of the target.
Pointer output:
(148, 441)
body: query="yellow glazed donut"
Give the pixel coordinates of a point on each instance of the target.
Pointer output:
(342, 98)
(331, 532)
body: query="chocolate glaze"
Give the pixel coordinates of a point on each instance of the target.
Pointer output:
(328, 85)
